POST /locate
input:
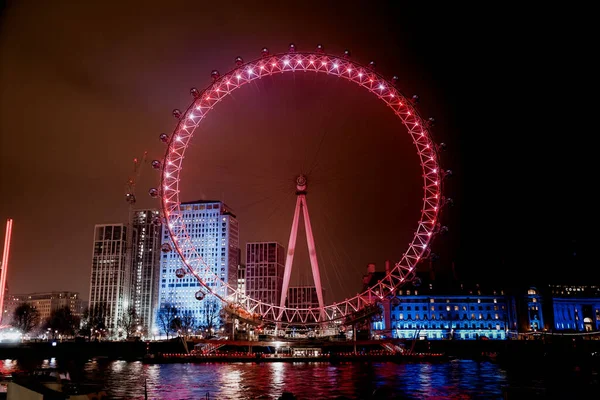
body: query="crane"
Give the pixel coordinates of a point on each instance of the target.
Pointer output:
(131, 182)
(131, 200)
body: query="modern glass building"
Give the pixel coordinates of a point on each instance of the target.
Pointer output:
(110, 275)
(302, 297)
(265, 265)
(145, 267)
(214, 231)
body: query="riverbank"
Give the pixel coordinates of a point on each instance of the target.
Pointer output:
(510, 352)
(262, 357)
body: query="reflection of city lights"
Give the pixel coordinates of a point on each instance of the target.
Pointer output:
(277, 373)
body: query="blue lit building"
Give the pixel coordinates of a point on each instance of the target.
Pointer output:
(434, 310)
(214, 232)
(530, 310)
(575, 308)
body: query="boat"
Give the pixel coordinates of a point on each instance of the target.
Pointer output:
(51, 383)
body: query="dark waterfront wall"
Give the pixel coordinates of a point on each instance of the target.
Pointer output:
(559, 349)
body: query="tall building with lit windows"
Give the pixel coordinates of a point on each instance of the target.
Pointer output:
(265, 264)
(145, 267)
(110, 275)
(214, 231)
(241, 279)
(302, 297)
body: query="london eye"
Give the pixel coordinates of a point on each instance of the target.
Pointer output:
(189, 121)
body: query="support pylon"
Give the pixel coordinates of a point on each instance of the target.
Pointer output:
(301, 184)
(4, 265)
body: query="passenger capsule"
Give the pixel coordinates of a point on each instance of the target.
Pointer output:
(177, 113)
(449, 202)
(264, 52)
(372, 64)
(155, 164)
(442, 146)
(215, 75)
(130, 197)
(200, 295)
(416, 282)
(166, 248)
(292, 48)
(346, 54)
(448, 173)
(320, 48)
(239, 61)
(153, 193)
(180, 273)
(430, 122)
(415, 99)
(164, 137)
(395, 80)
(443, 229)
(194, 92)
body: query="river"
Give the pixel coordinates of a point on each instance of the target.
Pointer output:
(457, 379)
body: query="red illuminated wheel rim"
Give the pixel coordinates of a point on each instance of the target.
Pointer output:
(223, 85)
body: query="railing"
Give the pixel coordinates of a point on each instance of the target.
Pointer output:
(367, 311)
(211, 347)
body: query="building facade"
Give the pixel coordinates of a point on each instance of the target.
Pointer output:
(436, 309)
(241, 279)
(467, 316)
(45, 303)
(145, 267)
(575, 308)
(110, 275)
(214, 231)
(265, 265)
(302, 297)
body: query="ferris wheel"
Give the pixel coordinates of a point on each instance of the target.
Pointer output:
(318, 61)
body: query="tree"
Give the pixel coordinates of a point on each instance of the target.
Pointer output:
(176, 325)
(211, 315)
(128, 322)
(94, 319)
(188, 323)
(166, 315)
(26, 317)
(63, 321)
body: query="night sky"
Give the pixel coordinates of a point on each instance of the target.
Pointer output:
(86, 88)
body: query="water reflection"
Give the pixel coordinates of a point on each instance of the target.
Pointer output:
(459, 379)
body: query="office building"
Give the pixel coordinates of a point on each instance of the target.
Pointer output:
(302, 297)
(214, 232)
(110, 275)
(145, 268)
(45, 303)
(265, 265)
